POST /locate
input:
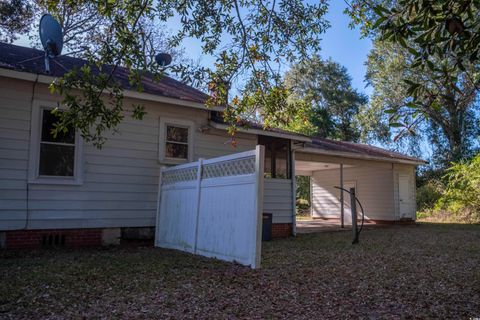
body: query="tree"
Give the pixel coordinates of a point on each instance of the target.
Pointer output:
(15, 16)
(326, 87)
(250, 40)
(415, 42)
(449, 122)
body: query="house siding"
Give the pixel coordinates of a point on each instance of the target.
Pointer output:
(375, 190)
(120, 181)
(277, 199)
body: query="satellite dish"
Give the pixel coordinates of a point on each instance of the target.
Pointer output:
(52, 38)
(163, 59)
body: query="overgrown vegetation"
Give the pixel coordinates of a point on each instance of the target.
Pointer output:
(454, 197)
(303, 196)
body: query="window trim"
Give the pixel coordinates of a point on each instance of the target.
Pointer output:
(162, 139)
(34, 152)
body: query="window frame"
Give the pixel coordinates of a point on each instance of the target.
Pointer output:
(34, 176)
(162, 139)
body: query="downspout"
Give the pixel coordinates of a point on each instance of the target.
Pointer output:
(27, 200)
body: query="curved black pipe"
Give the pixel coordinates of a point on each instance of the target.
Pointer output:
(361, 208)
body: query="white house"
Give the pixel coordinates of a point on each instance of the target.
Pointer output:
(65, 191)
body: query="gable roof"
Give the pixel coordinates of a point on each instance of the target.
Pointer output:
(30, 60)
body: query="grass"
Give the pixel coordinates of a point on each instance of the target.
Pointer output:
(419, 271)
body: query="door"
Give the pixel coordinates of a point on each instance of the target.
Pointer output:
(404, 195)
(346, 201)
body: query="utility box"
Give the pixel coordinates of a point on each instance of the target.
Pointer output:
(266, 226)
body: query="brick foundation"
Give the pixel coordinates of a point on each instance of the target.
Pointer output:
(281, 230)
(23, 239)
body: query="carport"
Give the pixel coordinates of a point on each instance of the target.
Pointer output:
(384, 181)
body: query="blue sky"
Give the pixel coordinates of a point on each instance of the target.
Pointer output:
(345, 45)
(340, 43)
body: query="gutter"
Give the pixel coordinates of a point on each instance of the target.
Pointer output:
(126, 93)
(360, 156)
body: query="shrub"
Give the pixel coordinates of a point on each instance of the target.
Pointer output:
(428, 194)
(462, 190)
(303, 204)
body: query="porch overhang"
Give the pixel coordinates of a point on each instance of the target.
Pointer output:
(357, 156)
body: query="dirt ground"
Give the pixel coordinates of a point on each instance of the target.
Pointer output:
(417, 271)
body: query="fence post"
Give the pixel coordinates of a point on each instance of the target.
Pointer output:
(159, 203)
(353, 206)
(259, 177)
(197, 207)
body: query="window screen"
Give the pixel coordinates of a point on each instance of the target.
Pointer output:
(277, 157)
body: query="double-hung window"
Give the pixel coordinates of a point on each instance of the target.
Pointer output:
(176, 140)
(54, 158)
(57, 153)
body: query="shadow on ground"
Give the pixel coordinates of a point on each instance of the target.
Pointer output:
(416, 271)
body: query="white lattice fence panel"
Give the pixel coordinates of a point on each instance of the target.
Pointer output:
(234, 167)
(179, 175)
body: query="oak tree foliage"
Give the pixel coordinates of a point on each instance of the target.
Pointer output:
(333, 104)
(434, 46)
(250, 40)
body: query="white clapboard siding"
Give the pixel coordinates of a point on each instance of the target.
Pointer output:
(277, 199)
(14, 136)
(374, 190)
(120, 181)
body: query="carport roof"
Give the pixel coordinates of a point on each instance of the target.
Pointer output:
(357, 150)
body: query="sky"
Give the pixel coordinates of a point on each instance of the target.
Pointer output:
(346, 46)
(342, 44)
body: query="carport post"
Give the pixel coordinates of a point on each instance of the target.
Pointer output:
(342, 208)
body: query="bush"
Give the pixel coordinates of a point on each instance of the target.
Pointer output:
(462, 190)
(303, 204)
(428, 194)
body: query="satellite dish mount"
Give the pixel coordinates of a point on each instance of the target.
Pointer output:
(51, 37)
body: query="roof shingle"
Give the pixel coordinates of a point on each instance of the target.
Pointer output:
(32, 61)
(359, 149)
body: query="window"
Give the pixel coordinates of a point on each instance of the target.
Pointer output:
(176, 146)
(53, 159)
(277, 157)
(57, 154)
(176, 143)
